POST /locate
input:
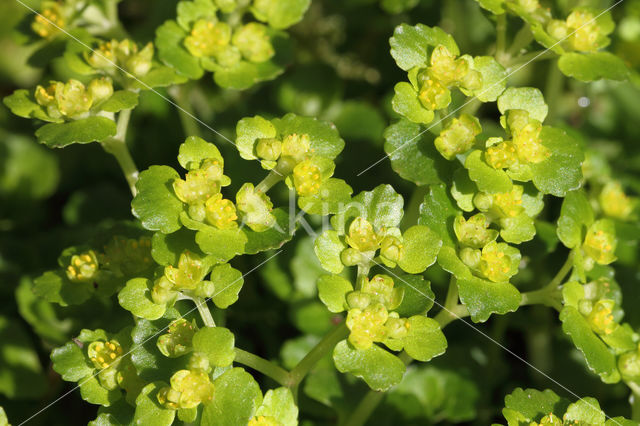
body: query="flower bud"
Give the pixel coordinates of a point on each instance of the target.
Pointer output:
(391, 248)
(600, 242)
(557, 29)
(268, 149)
(140, 63)
(83, 267)
(396, 328)
(361, 235)
(629, 366)
(162, 291)
(470, 257)
(177, 341)
(551, 420)
(253, 42)
(601, 317)
(100, 89)
(255, 208)
(458, 136)
(103, 354)
(221, 212)
(528, 144)
(359, 299)
(197, 187)
(199, 361)
(584, 30)
(350, 257)
(585, 306)
(483, 201)
(445, 68)
(381, 287)
(103, 57)
(614, 202)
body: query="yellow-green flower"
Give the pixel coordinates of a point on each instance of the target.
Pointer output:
(501, 155)
(208, 38)
(296, 147)
(307, 178)
(367, 326)
(50, 21)
(584, 29)
(496, 262)
(83, 267)
(264, 421)
(474, 232)
(362, 236)
(600, 242)
(458, 136)
(601, 317)
(189, 273)
(221, 212)
(188, 389)
(614, 202)
(253, 42)
(381, 287)
(255, 208)
(432, 94)
(128, 256)
(509, 204)
(177, 341)
(104, 354)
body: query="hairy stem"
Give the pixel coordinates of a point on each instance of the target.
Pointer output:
(323, 347)
(117, 147)
(204, 311)
(262, 365)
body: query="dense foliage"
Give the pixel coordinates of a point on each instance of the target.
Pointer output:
(308, 193)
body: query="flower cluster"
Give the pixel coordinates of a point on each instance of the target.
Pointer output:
(114, 57)
(188, 276)
(585, 30)
(51, 19)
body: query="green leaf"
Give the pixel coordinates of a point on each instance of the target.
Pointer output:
(21, 375)
(483, 298)
(328, 247)
(54, 286)
(424, 339)
(149, 410)
(221, 244)
(146, 357)
(517, 229)
(91, 129)
(169, 37)
(534, 404)
(562, 171)
(621, 340)
(585, 411)
(248, 131)
(593, 66)
(227, 283)
(575, 215)
(409, 44)
(382, 207)
(413, 155)
(167, 248)
(332, 290)
(599, 358)
(333, 197)
(190, 11)
(155, 203)
(494, 78)
(119, 413)
(194, 150)
(527, 98)
(279, 404)
(434, 393)
(237, 397)
(281, 14)
(323, 136)
(463, 190)
(69, 361)
(494, 6)
(217, 343)
(420, 246)
(406, 103)
(486, 177)
(92, 392)
(159, 76)
(418, 297)
(20, 103)
(272, 238)
(120, 100)
(136, 298)
(438, 212)
(377, 367)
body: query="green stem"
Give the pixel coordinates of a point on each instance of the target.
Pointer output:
(271, 179)
(412, 212)
(182, 95)
(448, 315)
(562, 273)
(471, 107)
(501, 37)
(118, 148)
(204, 311)
(323, 347)
(553, 90)
(634, 400)
(262, 365)
(543, 296)
(365, 408)
(535, 56)
(521, 40)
